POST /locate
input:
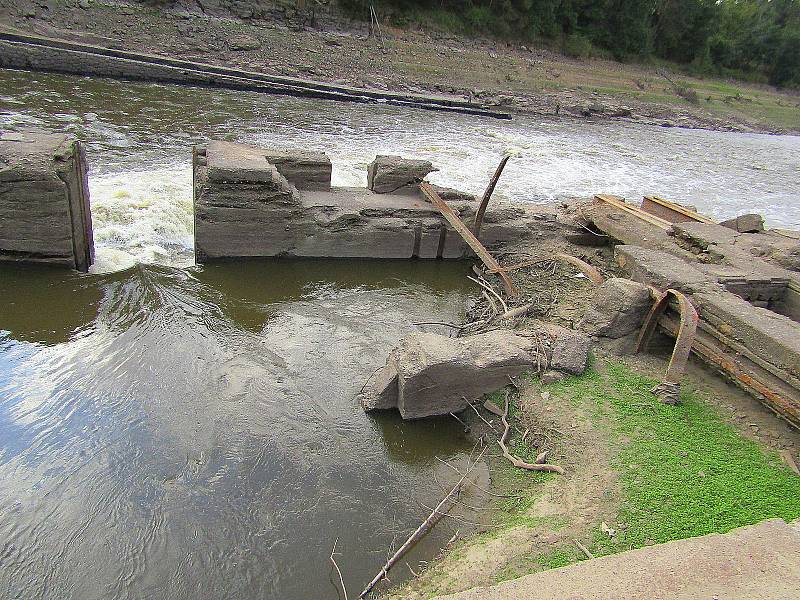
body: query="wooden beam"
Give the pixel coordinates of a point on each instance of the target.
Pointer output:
(452, 218)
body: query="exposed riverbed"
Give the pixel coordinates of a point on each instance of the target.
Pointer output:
(191, 432)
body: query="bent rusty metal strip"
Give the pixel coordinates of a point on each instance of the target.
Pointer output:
(684, 337)
(464, 231)
(716, 353)
(590, 271)
(671, 211)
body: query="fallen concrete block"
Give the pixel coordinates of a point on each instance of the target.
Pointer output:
(750, 223)
(393, 174)
(304, 170)
(617, 309)
(570, 352)
(660, 269)
(430, 374)
(44, 201)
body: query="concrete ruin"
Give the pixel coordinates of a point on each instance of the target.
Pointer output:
(45, 215)
(430, 374)
(255, 202)
(745, 286)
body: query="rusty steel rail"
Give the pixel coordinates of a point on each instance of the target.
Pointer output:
(589, 270)
(464, 231)
(668, 391)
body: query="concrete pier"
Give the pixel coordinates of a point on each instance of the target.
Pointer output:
(255, 202)
(44, 201)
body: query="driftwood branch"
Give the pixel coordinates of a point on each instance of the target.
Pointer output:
(488, 194)
(436, 514)
(516, 461)
(333, 560)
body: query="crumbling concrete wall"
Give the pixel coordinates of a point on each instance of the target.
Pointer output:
(254, 202)
(44, 201)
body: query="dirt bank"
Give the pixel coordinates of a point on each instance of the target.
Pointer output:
(333, 48)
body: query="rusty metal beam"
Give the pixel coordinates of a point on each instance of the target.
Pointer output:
(464, 231)
(668, 390)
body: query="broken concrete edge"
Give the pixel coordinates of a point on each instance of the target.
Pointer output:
(429, 374)
(755, 348)
(747, 563)
(246, 206)
(45, 214)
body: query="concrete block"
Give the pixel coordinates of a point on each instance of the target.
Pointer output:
(618, 308)
(44, 201)
(393, 174)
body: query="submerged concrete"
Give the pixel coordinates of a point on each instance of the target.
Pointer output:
(759, 562)
(44, 201)
(248, 203)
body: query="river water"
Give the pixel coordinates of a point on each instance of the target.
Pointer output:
(176, 431)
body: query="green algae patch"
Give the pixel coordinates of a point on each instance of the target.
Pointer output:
(684, 471)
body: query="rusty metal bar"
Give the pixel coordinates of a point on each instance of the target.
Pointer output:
(668, 391)
(590, 271)
(464, 231)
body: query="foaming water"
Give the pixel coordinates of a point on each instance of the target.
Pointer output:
(139, 139)
(193, 433)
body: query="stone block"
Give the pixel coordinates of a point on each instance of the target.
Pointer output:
(393, 174)
(380, 393)
(304, 170)
(430, 374)
(570, 352)
(44, 201)
(618, 308)
(750, 223)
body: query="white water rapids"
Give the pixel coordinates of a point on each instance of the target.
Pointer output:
(139, 140)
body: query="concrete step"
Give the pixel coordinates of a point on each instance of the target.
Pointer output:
(756, 562)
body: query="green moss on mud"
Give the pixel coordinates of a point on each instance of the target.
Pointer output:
(684, 471)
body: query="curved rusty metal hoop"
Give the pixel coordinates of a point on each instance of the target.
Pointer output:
(668, 390)
(591, 272)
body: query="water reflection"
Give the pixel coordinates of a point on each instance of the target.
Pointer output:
(194, 434)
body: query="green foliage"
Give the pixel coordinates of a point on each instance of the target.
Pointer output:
(684, 471)
(757, 39)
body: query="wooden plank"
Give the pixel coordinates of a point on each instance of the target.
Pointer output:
(677, 208)
(464, 231)
(634, 210)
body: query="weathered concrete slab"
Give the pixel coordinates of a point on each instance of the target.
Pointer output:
(660, 269)
(759, 562)
(395, 174)
(44, 201)
(247, 206)
(430, 374)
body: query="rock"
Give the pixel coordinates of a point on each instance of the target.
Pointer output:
(617, 309)
(305, 170)
(570, 352)
(380, 393)
(549, 377)
(387, 174)
(750, 223)
(242, 41)
(437, 375)
(84, 3)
